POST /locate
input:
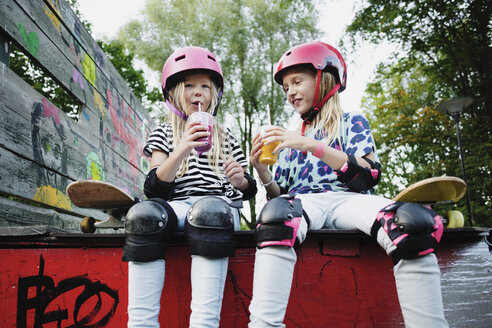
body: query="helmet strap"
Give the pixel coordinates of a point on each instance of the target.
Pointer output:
(329, 95)
(175, 111)
(171, 106)
(221, 92)
(307, 118)
(316, 90)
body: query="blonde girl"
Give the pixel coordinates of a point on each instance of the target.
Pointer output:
(324, 178)
(200, 193)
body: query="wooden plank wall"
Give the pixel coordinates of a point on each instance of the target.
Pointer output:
(42, 150)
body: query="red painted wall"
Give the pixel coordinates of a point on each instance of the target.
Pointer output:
(337, 284)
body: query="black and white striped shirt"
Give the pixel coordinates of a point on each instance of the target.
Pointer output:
(200, 179)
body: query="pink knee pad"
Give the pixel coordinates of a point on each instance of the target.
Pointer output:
(279, 222)
(414, 229)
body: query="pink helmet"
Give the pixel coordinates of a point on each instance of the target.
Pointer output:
(190, 59)
(322, 56)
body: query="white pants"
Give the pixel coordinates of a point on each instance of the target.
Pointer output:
(418, 281)
(208, 275)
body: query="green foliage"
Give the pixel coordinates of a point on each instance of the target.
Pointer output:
(445, 52)
(247, 36)
(414, 138)
(122, 60)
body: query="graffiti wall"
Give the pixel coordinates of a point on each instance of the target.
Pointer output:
(75, 287)
(43, 148)
(62, 296)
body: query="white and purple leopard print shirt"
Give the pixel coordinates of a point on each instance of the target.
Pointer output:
(302, 174)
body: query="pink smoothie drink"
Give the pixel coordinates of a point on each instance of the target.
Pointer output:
(206, 119)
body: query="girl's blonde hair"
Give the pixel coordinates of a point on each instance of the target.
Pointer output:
(329, 118)
(177, 97)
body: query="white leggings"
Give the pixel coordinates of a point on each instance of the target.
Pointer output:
(208, 275)
(418, 281)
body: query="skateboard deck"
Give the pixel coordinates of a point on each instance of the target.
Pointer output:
(439, 190)
(98, 195)
(433, 190)
(104, 196)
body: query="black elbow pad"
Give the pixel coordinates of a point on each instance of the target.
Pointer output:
(250, 192)
(155, 188)
(359, 178)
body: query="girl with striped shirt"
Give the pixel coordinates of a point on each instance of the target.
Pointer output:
(191, 81)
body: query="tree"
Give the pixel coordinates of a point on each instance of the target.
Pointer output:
(445, 52)
(415, 139)
(248, 36)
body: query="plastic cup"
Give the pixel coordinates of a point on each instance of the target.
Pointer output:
(267, 157)
(206, 119)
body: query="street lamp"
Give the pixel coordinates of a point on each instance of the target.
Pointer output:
(454, 107)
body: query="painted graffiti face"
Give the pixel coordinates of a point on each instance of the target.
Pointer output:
(198, 91)
(51, 150)
(48, 140)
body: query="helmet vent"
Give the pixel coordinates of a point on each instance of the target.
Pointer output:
(211, 57)
(288, 54)
(180, 57)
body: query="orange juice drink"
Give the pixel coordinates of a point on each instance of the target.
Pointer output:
(267, 157)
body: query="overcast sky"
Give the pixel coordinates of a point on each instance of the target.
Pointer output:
(107, 16)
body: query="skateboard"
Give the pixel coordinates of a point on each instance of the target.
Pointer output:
(113, 201)
(437, 191)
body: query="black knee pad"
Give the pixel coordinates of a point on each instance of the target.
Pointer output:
(414, 229)
(209, 226)
(148, 224)
(279, 221)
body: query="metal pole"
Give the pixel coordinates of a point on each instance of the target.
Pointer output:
(456, 117)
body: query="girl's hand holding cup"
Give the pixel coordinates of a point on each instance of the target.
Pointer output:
(207, 120)
(193, 137)
(257, 151)
(267, 156)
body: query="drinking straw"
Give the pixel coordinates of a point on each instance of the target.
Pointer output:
(199, 106)
(269, 117)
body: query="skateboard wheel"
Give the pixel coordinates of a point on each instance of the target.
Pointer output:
(88, 225)
(455, 219)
